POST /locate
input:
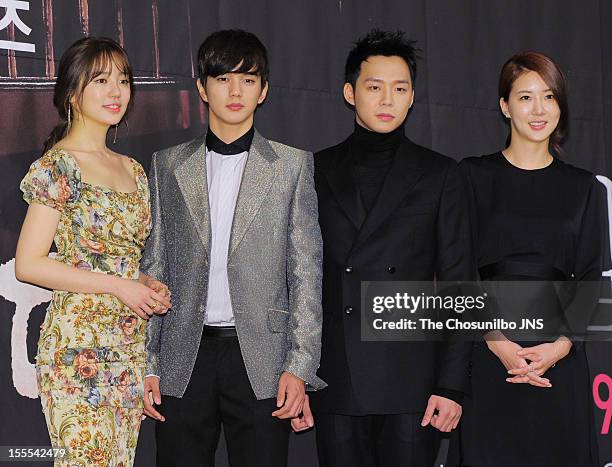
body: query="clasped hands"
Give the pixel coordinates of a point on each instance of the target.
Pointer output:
(145, 296)
(528, 364)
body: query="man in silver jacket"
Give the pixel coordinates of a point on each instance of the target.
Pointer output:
(236, 238)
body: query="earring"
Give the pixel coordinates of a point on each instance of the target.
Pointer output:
(69, 118)
(115, 137)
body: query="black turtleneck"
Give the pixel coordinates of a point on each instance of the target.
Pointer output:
(372, 154)
(242, 144)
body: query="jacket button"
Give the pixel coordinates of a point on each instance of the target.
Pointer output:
(348, 310)
(348, 269)
(391, 269)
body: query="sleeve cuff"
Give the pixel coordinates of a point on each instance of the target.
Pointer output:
(455, 396)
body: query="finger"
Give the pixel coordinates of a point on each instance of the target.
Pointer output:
(537, 383)
(448, 426)
(534, 356)
(282, 393)
(156, 394)
(147, 309)
(518, 379)
(308, 412)
(151, 412)
(160, 298)
(456, 421)
(533, 380)
(520, 371)
(285, 411)
(429, 412)
(159, 309)
(299, 424)
(538, 379)
(526, 350)
(444, 421)
(140, 313)
(296, 407)
(435, 422)
(309, 419)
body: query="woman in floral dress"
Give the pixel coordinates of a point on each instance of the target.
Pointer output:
(94, 204)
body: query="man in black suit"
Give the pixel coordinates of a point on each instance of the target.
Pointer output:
(389, 210)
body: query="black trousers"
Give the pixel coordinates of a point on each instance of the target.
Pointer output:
(396, 440)
(220, 394)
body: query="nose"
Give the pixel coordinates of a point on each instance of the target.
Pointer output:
(386, 97)
(235, 88)
(538, 106)
(114, 89)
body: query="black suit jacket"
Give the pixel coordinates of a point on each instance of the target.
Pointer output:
(417, 229)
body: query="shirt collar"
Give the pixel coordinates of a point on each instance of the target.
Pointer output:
(242, 144)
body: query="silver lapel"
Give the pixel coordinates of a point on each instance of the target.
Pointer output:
(192, 181)
(259, 173)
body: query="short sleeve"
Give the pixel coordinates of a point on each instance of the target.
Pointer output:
(54, 180)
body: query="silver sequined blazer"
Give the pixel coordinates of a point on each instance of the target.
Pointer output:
(274, 264)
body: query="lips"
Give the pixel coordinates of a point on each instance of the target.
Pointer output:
(235, 107)
(385, 117)
(112, 107)
(538, 125)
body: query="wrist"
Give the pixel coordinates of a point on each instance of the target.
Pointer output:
(111, 284)
(562, 347)
(143, 278)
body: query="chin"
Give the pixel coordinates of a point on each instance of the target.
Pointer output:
(378, 128)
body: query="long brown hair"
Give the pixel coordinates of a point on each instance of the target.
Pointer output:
(82, 62)
(552, 75)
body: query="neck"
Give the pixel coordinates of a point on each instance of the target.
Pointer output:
(87, 136)
(229, 132)
(528, 154)
(372, 141)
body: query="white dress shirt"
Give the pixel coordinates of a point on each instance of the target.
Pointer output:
(224, 174)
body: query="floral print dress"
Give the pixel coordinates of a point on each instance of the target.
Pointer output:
(91, 353)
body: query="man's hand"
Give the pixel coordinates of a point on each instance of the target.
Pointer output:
(306, 420)
(448, 416)
(152, 396)
(290, 397)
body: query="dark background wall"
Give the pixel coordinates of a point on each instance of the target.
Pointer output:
(464, 44)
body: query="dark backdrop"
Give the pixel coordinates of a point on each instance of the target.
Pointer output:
(464, 44)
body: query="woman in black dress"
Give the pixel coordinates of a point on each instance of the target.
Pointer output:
(535, 218)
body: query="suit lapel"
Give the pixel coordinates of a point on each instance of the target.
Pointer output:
(344, 188)
(192, 181)
(256, 181)
(403, 174)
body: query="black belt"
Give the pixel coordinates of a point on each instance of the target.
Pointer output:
(219, 331)
(519, 268)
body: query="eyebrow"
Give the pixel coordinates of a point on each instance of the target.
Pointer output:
(378, 80)
(530, 92)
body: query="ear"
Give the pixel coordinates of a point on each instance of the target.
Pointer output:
(411, 99)
(503, 105)
(349, 93)
(202, 90)
(264, 94)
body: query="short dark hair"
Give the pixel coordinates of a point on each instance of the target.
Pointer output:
(551, 74)
(386, 43)
(223, 51)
